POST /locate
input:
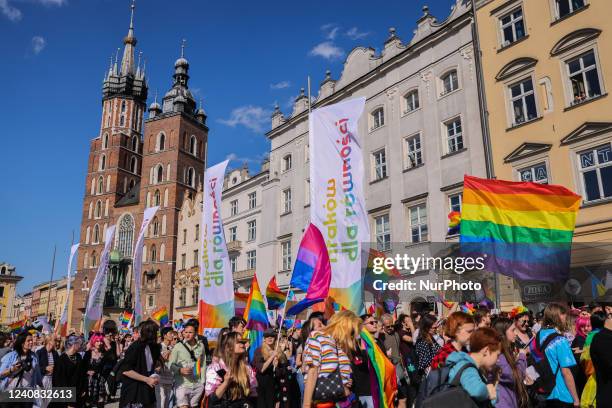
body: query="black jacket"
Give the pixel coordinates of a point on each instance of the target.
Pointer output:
(43, 359)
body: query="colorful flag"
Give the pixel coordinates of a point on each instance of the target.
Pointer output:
(62, 324)
(337, 196)
(17, 326)
(125, 318)
(256, 317)
(216, 296)
(384, 379)
(312, 270)
(276, 297)
(42, 324)
(93, 313)
(454, 222)
(197, 368)
(468, 308)
(147, 216)
(381, 273)
(520, 229)
(598, 289)
(240, 302)
(161, 315)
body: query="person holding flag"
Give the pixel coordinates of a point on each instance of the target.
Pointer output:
(188, 363)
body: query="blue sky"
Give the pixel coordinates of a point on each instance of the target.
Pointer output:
(244, 57)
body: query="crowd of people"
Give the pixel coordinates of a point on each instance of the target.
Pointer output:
(557, 358)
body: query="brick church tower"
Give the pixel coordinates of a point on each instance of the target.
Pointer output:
(132, 167)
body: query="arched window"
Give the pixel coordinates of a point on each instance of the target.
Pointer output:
(122, 117)
(193, 145)
(155, 223)
(94, 259)
(133, 165)
(156, 198)
(98, 212)
(450, 82)
(411, 101)
(161, 142)
(105, 141)
(102, 165)
(377, 118)
(132, 184)
(153, 253)
(135, 144)
(96, 234)
(191, 177)
(126, 235)
(159, 174)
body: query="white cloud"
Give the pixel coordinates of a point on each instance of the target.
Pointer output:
(327, 50)
(249, 116)
(38, 44)
(280, 85)
(10, 12)
(330, 30)
(354, 34)
(52, 2)
(235, 157)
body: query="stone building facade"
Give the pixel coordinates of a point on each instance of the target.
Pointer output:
(8, 286)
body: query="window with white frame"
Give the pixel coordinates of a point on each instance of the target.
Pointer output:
(454, 202)
(596, 172)
(251, 259)
(565, 7)
(454, 135)
(522, 101)
(414, 152)
(286, 255)
(383, 232)
(380, 164)
(233, 207)
(418, 223)
(536, 173)
(251, 230)
(233, 233)
(184, 236)
(233, 264)
(411, 100)
(195, 258)
(195, 293)
(183, 261)
(583, 75)
(252, 200)
(450, 82)
(151, 301)
(512, 26)
(286, 201)
(287, 161)
(183, 297)
(377, 118)
(197, 232)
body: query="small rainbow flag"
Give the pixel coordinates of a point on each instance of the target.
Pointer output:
(384, 379)
(197, 368)
(17, 326)
(521, 229)
(454, 222)
(125, 318)
(161, 315)
(276, 297)
(468, 308)
(256, 316)
(240, 302)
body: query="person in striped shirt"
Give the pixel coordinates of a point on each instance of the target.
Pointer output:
(329, 349)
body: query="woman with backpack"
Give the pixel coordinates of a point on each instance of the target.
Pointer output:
(553, 358)
(327, 360)
(512, 363)
(485, 348)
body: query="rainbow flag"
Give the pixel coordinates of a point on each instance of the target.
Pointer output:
(240, 302)
(197, 368)
(454, 222)
(386, 275)
(125, 318)
(17, 326)
(161, 315)
(312, 270)
(468, 308)
(523, 230)
(256, 316)
(276, 297)
(384, 378)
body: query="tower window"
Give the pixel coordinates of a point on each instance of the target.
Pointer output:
(98, 209)
(122, 117)
(133, 165)
(100, 185)
(161, 142)
(156, 198)
(159, 174)
(135, 144)
(193, 145)
(155, 227)
(191, 177)
(102, 162)
(96, 234)
(153, 253)
(105, 141)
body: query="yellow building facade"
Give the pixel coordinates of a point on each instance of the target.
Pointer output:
(546, 69)
(8, 287)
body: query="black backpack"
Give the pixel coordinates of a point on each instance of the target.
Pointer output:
(438, 391)
(114, 378)
(544, 385)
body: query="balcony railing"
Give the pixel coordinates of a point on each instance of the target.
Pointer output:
(244, 274)
(234, 246)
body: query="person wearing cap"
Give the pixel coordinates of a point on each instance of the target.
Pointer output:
(264, 360)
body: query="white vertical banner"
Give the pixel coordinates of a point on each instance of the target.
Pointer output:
(216, 295)
(147, 216)
(63, 321)
(337, 195)
(95, 303)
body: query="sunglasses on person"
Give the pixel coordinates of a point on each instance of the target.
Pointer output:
(242, 341)
(373, 322)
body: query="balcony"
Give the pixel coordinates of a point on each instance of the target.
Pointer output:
(244, 274)
(234, 246)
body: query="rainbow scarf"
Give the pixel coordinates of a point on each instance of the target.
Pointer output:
(276, 297)
(523, 230)
(17, 326)
(256, 316)
(161, 315)
(384, 379)
(454, 222)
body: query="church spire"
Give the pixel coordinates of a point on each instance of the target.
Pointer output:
(127, 62)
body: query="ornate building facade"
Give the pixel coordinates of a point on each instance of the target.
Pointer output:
(134, 164)
(8, 286)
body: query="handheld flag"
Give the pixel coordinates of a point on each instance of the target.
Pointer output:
(276, 297)
(240, 302)
(256, 317)
(385, 380)
(161, 315)
(17, 326)
(312, 270)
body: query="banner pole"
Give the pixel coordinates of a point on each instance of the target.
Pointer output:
(283, 315)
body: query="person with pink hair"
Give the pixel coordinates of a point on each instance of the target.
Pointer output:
(583, 327)
(94, 361)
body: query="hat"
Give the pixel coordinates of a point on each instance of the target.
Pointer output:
(269, 333)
